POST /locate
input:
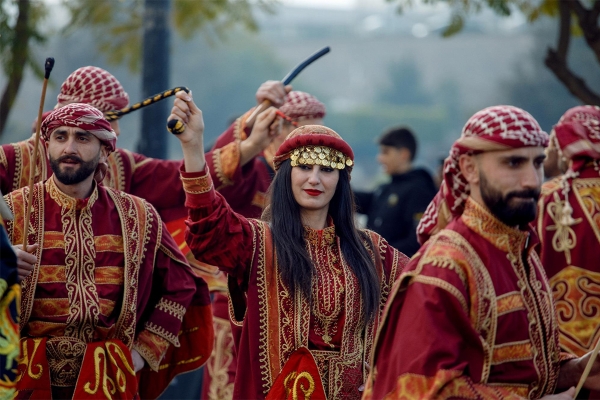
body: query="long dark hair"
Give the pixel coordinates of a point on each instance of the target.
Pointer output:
(297, 269)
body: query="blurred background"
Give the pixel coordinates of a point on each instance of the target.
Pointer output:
(428, 67)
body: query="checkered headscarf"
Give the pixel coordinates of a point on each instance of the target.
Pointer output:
(95, 86)
(301, 105)
(578, 135)
(81, 116)
(491, 129)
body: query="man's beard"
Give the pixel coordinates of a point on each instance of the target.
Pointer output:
(74, 176)
(518, 214)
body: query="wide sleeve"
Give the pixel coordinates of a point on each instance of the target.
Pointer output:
(427, 342)
(215, 233)
(173, 289)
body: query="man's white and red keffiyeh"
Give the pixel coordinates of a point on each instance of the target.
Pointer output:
(95, 86)
(81, 116)
(578, 135)
(491, 129)
(301, 105)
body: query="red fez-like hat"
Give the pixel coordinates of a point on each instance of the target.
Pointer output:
(315, 145)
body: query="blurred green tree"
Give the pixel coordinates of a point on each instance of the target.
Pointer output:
(117, 26)
(579, 17)
(20, 22)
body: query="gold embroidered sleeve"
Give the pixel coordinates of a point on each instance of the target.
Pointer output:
(198, 184)
(172, 308)
(151, 347)
(226, 161)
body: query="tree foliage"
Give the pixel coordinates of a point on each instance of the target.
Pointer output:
(118, 28)
(118, 24)
(573, 17)
(19, 27)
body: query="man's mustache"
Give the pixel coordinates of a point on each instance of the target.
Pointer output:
(524, 194)
(70, 158)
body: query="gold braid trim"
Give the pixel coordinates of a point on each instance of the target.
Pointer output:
(198, 185)
(225, 161)
(3, 159)
(172, 308)
(162, 332)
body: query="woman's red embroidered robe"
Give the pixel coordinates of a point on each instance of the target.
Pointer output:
(276, 322)
(107, 273)
(469, 318)
(570, 254)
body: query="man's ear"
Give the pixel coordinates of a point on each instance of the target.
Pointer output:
(103, 153)
(469, 166)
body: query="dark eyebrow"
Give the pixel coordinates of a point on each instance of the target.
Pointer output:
(514, 158)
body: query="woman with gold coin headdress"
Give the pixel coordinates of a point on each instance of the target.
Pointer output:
(306, 284)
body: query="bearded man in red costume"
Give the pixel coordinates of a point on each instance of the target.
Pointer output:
(107, 288)
(127, 171)
(471, 316)
(569, 228)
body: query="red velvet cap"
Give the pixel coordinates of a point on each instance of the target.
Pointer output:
(317, 136)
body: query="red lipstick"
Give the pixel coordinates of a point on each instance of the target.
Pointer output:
(313, 192)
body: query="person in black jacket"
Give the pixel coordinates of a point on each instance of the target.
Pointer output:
(395, 208)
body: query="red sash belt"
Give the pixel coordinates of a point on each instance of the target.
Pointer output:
(299, 379)
(106, 371)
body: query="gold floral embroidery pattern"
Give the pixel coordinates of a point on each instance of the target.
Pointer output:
(80, 255)
(23, 154)
(198, 185)
(65, 355)
(220, 360)
(564, 239)
(50, 307)
(509, 302)
(225, 161)
(17, 202)
(172, 308)
(577, 298)
(54, 240)
(108, 275)
(285, 317)
(113, 243)
(52, 274)
(534, 289)
(151, 347)
(510, 352)
(587, 192)
(136, 221)
(115, 175)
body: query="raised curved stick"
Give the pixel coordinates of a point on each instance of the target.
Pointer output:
(286, 80)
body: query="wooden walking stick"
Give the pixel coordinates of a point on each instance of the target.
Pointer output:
(33, 163)
(587, 369)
